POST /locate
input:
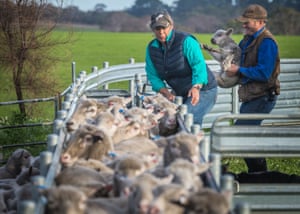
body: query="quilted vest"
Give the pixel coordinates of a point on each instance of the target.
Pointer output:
(172, 66)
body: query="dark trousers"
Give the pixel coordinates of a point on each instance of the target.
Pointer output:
(264, 105)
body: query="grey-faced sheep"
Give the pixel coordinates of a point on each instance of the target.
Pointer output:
(18, 160)
(87, 180)
(181, 145)
(187, 173)
(67, 199)
(205, 201)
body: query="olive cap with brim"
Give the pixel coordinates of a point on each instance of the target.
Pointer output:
(253, 11)
(160, 20)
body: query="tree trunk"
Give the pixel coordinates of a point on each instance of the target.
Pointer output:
(18, 89)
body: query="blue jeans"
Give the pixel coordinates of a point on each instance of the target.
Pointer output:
(261, 105)
(207, 101)
(264, 105)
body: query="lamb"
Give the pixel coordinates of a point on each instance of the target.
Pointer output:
(127, 169)
(87, 142)
(205, 201)
(64, 199)
(141, 194)
(86, 109)
(91, 182)
(130, 130)
(18, 160)
(67, 199)
(137, 145)
(187, 173)
(12, 191)
(181, 145)
(168, 124)
(164, 196)
(158, 102)
(107, 122)
(5, 195)
(93, 164)
(117, 100)
(228, 52)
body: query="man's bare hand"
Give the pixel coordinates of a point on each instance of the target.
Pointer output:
(232, 70)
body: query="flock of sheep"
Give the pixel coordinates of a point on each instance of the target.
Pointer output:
(119, 159)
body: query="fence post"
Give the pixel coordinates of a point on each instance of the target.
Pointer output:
(188, 120)
(242, 208)
(66, 105)
(105, 64)
(183, 110)
(94, 69)
(73, 72)
(52, 142)
(227, 188)
(57, 104)
(138, 90)
(215, 159)
(45, 162)
(131, 61)
(82, 75)
(178, 100)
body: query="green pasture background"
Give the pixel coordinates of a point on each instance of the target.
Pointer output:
(93, 48)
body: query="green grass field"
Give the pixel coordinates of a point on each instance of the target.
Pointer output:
(92, 48)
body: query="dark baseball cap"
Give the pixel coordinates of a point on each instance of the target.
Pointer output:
(161, 19)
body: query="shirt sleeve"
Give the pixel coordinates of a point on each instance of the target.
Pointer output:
(152, 75)
(267, 56)
(193, 53)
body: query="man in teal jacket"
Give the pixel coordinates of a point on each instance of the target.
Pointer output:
(175, 59)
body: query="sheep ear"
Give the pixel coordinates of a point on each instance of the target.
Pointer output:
(229, 31)
(21, 151)
(30, 170)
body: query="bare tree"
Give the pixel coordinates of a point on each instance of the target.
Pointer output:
(28, 47)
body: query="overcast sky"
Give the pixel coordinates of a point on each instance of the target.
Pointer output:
(110, 4)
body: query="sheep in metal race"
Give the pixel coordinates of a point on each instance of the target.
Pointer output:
(164, 195)
(205, 201)
(87, 109)
(18, 160)
(67, 199)
(187, 173)
(167, 124)
(12, 191)
(181, 145)
(87, 180)
(126, 182)
(141, 192)
(86, 142)
(90, 142)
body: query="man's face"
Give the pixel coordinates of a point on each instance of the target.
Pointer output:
(252, 25)
(161, 33)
